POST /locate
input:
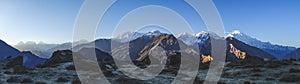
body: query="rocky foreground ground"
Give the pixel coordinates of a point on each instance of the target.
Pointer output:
(238, 72)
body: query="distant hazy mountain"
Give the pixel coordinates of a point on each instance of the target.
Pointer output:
(45, 50)
(31, 46)
(67, 45)
(101, 44)
(278, 51)
(129, 36)
(105, 44)
(29, 59)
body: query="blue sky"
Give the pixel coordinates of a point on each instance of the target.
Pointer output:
(52, 21)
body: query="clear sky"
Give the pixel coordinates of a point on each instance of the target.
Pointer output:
(52, 21)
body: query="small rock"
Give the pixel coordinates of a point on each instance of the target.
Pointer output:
(26, 80)
(76, 81)
(62, 79)
(256, 75)
(198, 81)
(225, 74)
(270, 79)
(12, 80)
(40, 83)
(108, 73)
(7, 72)
(272, 65)
(256, 70)
(247, 82)
(71, 67)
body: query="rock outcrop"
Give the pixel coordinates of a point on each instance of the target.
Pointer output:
(238, 53)
(60, 56)
(206, 59)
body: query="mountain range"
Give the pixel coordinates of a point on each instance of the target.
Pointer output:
(278, 51)
(166, 46)
(143, 45)
(45, 50)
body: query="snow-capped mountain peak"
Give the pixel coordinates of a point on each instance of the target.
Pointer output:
(201, 34)
(230, 35)
(200, 38)
(236, 32)
(128, 36)
(187, 38)
(191, 39)
(155, 31)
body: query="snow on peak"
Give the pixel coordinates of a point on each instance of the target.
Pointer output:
(128, 36)
(236, 32)
(201, 34)
(155, 31)
(187, 38)
(230, 35)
